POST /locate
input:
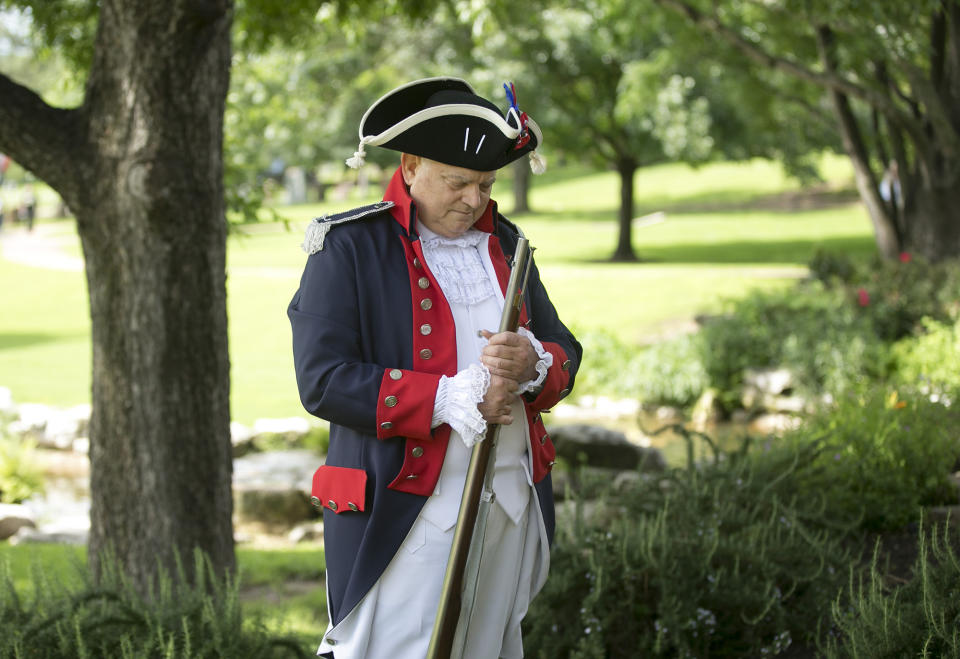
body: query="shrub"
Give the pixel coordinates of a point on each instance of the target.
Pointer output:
(671, 372)
(609, 366)
(932, 359)
(109, 619)
(880, 456)
(894, 295)
(20, 477)
(720, 560)
(919, 619)
(812, 330)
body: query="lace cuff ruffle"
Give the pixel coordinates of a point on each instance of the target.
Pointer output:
(457, 400)
(544, 362)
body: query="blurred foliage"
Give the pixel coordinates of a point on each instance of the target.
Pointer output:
(20, 475)
(930, 360)
(881, 454)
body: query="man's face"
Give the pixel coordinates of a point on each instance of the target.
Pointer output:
(449, 199)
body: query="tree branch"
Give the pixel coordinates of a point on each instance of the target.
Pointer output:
(41, 138)
(829, 79)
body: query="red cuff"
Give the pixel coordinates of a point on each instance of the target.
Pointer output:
(405, 404)
(556, 384)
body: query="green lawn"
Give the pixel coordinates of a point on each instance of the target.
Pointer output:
(718, 239)
(281, 587)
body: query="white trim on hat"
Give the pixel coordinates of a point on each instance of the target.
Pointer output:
(459, 109)
(363, 119)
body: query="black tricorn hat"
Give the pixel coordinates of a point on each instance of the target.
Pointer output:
(443, 119)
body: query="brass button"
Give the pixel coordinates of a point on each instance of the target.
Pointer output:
(331, 641)
(386, 425)
(566, 365)
(416, 262)
(390, 401)
(396, 374)
(425, 329)
(412, 477)
(332, 505)
(564, 392)
(551, 463)
(426, 353)
(417, 451)
(315, 502)
(352, 506)
(426, 304)
(543, 440)
(423, 282)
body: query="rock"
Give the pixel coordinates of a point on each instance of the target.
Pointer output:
(241, 438)
(774, 381)
(52, 427)
(707, 410)
(308, 532)
(773, 424)
(27, 535)
(273, 488)
(294, 424)
(7, 406)
(594, 446)
(13, 517)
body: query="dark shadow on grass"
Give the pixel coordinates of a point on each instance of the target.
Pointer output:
(14, 340)
(744, 251)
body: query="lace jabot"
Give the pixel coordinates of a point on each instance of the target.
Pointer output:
(457, 265)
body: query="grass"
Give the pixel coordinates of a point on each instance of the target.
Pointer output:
(719, 239)
(292, 576)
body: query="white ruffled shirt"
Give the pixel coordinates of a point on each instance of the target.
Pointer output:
(459, 269)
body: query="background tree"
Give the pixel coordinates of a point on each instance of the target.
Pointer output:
(891, 71)
(603, 88)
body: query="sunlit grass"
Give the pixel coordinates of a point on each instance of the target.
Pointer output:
(691, 260)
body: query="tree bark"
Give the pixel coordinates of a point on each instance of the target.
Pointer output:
(626, 167)
(521, 186)
(141, 166)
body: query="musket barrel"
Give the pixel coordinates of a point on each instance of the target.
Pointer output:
(482, 458)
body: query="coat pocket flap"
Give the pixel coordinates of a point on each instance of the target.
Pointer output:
(341, 489)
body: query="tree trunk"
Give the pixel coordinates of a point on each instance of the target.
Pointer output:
(626, 167)
(521, 186)
(154, 239)
(141, 166)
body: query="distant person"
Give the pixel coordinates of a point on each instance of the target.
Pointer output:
(890, 185)
(2, 214)
(28, 206)
(396, 343)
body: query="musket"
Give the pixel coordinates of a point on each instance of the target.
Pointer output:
(459, 580)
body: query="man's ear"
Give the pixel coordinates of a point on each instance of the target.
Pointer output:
(408, 166)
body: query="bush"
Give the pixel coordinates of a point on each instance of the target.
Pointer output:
(672, 372)
(919, 619)
(109, 619)
(720, 560)
(812, 330)
(609, 366)
(931, 360)
(894, 295)
(20, 477)
(880, 456)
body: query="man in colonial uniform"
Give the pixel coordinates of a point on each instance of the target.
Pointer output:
(395, 343)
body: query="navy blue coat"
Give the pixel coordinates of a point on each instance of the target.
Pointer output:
(365, 362)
